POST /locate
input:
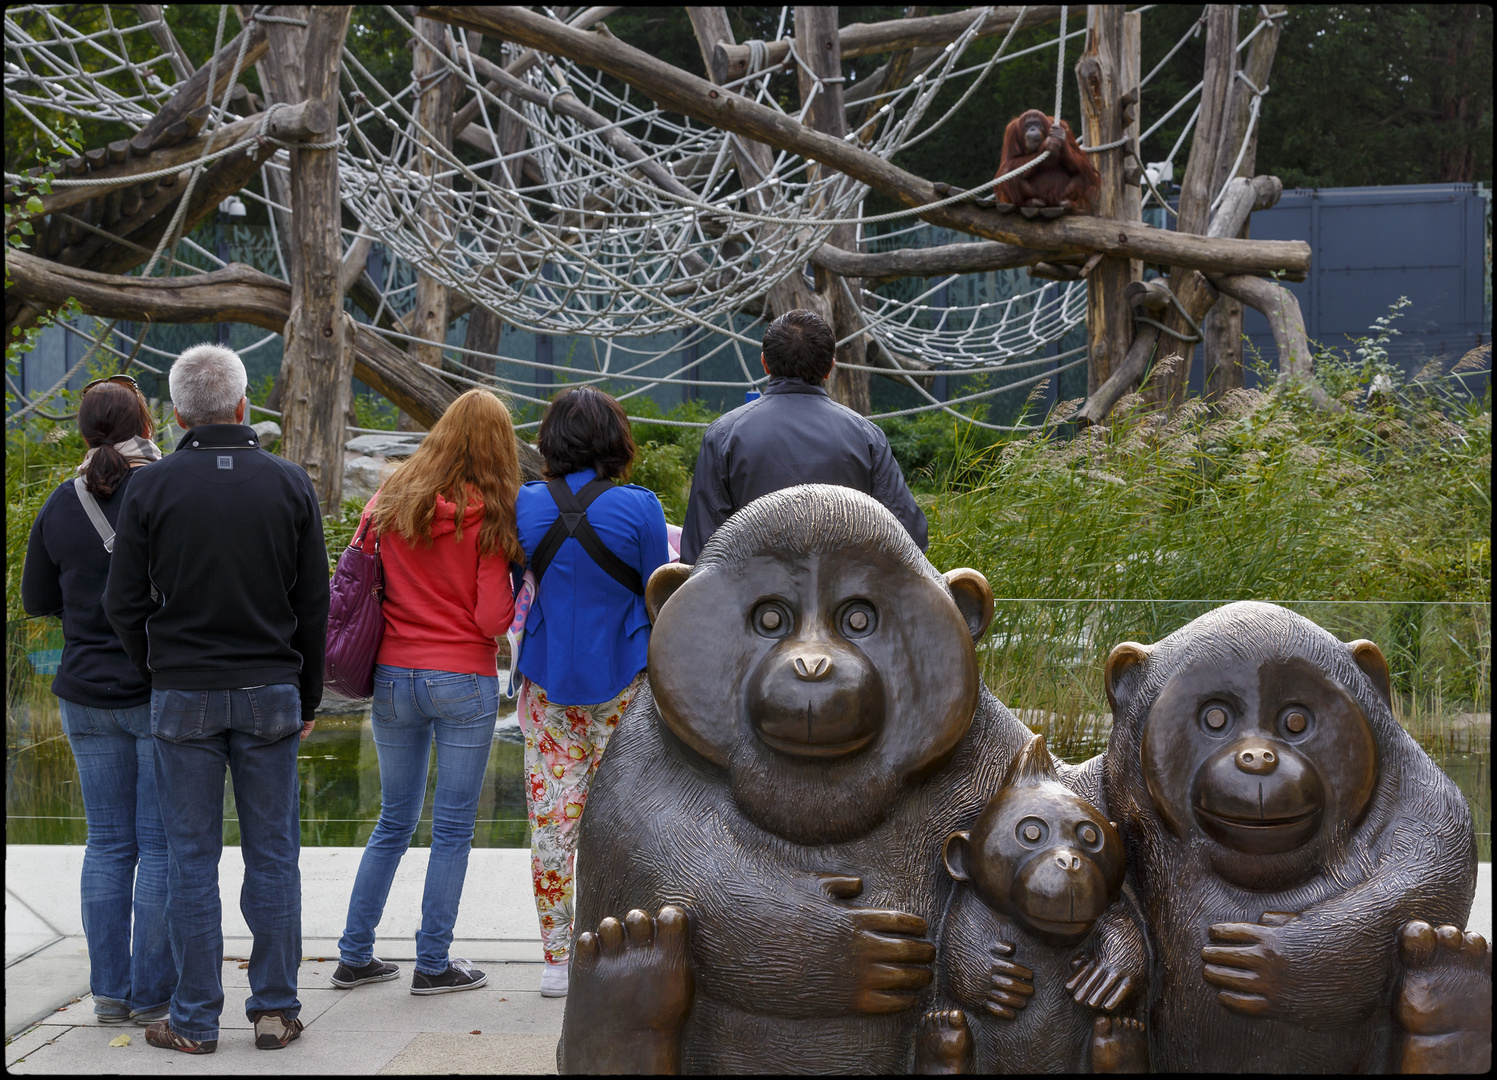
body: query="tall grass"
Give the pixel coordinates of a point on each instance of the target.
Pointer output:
(1373, 520)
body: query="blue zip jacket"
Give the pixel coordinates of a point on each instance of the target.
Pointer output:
(587, 636)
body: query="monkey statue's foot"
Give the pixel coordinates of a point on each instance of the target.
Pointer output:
(631, 990)
(1119, 1045)
(944, 1045)
(1052, 211)
(1445, 1001)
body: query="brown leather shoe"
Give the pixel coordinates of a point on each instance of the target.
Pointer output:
(273, 1031)
(161, 1034)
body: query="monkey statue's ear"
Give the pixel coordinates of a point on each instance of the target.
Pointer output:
(1370, 659)
(954, 854)
(662, 585)
(974, 599)
(1121, 658)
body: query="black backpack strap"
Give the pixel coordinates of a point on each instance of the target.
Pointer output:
(572, 521)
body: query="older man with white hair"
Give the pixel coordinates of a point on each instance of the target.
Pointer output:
(231, 537)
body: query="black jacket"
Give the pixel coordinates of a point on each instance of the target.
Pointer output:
(66, 567)
(232, 537)
(794, 434)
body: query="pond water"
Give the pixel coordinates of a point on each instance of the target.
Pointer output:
(338, 768)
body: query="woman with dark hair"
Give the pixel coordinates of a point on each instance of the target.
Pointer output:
(586, 635)
(106, 710)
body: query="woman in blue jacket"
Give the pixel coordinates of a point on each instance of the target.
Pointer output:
(586, 636)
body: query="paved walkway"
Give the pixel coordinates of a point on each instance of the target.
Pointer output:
(503, 1027)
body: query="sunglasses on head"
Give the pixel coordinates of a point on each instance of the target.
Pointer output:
(121, 379)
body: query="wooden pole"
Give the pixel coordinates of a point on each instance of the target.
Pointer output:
(1131, 69)
(1196, 192)
(819, 46)
(1109, 323)
(434, 112)
(1223, 325)
(318, 360)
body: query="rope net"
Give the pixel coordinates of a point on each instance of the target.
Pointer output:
(591, 212)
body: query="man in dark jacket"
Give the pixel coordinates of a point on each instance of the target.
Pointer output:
(231, 536)
(793, 434)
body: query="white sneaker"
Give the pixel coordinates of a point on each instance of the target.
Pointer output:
(554, 981)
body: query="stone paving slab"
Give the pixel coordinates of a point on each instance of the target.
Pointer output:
(434, 1055)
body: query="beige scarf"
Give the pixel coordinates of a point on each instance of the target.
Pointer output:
(137, 451)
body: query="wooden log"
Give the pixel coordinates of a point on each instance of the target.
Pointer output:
(891, 77)
(1282, 310)
(435, 106)
(239, 294)
(821, 95)
(681, 92)
(524, 62)
(162, 129)
(1109, 328)
(1196, 192)
(165, 40)
(1223, 325)
(318, 360)
(752, 159)
(306, 120)
(729, 61)
(1130, 70)
(973, 258)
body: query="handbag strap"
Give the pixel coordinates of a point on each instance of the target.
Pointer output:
(572, 521)
(95, 513)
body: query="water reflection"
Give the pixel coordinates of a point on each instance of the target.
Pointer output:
(337, 765)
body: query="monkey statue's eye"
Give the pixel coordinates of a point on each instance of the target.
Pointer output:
(1295, 720)
(772, 619)
(1031, 831)
(858, 619)
(1089, 835)
(1216, 718)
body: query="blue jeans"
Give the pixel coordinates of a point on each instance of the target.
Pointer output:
(255, 732)
(126, 854)
(411, 707)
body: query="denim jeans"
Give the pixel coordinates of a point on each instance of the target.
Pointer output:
(255, 732)
(411, 708)
(126, 854)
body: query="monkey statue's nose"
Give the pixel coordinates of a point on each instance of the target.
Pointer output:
(813, 667)
(1258, 760)
(1067, 861)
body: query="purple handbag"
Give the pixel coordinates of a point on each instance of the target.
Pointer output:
(355, 619)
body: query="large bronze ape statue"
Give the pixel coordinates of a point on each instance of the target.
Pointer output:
(768, 825)
(1282, 829)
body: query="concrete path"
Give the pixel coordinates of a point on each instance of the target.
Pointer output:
(503, 1027)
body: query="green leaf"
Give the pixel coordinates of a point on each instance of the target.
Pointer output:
(34, 205)
(25, 228)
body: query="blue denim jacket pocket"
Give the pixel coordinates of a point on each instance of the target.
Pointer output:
(462, 698)
(275, 710)
(177, 715)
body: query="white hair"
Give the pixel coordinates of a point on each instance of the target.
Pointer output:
(206, 383)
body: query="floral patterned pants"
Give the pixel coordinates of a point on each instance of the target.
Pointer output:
(563, 745)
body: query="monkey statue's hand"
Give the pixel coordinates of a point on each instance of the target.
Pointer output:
(1112, 966)
(1253, 965)
(1012, 984)
(890, 957)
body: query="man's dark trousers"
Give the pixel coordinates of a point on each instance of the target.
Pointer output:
(255, 732)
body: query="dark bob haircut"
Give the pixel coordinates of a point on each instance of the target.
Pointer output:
(584, 428)
(800, 344)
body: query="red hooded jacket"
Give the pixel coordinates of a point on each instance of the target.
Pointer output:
(445, 605)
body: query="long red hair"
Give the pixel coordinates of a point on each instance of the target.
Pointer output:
(469, 451)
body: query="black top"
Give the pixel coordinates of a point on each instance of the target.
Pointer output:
(66, 567)
(794, 434)
(232, 537)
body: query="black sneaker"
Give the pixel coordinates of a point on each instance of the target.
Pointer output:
(374, 971)
(460, 975)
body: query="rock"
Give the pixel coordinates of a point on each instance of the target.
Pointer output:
(362, 475)
(395, 444)
(268, 432)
